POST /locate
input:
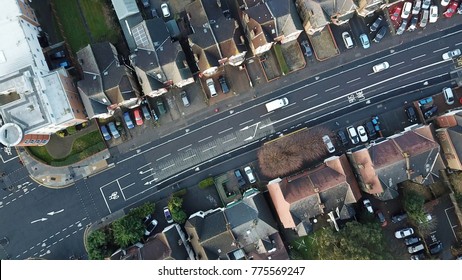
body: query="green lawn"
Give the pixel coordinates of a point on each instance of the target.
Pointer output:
(281, 60)
(98, 19)
(74, 29)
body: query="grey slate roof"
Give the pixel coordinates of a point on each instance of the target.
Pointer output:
(285, 13)
(125, 8)
(455, 133)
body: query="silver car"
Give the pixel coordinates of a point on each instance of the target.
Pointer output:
(405, 232)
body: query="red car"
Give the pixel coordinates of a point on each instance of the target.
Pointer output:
(138, 118)
(451, 9)
(395, 14)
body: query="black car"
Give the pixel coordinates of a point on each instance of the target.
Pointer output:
(161, 106)
(411, 114)
(399, 217)
(413, 24)
(376, 24)
(436, 248)
(370, 129)
(380, 34)
(223, 84)
(342, 137)
(431, 111)
(418, 256)
(240, 178)
(412, 240)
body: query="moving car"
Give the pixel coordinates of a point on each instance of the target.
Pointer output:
(342, 137)
(381, 218)
(451, 54)
(240, 178)
(128, 120)
(328, 143)
(433, 13)
(168, 215)
(367, 204)
(448, 95)
(249, 173)
(402, 27)
(405, 232)
(412, 240)
(376, 24)
(145, 111)
(436, 248)
(395, 13)
(407, 7)
(347, 40)
(362, 133)
(411, 114)
(364, 41)
(353, 135)
(105, 133)
(161, 106)
(150, 227)
(223, 84)
(165, 10)
(416, 8)
(307, 48)
(380, 34)
(113, 130)
(380, 67)
(211, 86)
(138, 118)
(399, 217)
(415, 248)
(450, 11)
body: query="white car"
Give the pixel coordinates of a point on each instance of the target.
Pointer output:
(405, 232)
(433, 13)
(448, 95)
(444, 3)
(380, 67)
(424, 18)
(368, 205)
(406, 10)
(416, 8)
(165, 10)
(362, 133)
(249, 173)
(353, 135)
(451, 54)
(426, 4)
(328, 142)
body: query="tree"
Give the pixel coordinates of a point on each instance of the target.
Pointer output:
(127, 230)
(353, 242)
(414, 206)
(175, 205)
(143, 210)
(98, 244)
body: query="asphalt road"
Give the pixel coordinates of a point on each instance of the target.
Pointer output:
(49, 223)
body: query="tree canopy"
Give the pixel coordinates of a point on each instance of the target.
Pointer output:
(175, 205)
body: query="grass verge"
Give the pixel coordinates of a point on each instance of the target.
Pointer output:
(98, 18)
(281, 60)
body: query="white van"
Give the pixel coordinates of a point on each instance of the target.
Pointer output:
(211, 86)
(276, 104)
(347, 40)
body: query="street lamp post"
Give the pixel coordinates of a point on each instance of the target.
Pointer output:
(254, 132)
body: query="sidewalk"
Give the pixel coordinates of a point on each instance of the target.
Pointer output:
(60, 177)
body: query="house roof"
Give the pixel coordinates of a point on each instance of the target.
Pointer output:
(455, 134)
(156, 248)
(286, 15)
(272, 248)
(338, 7)
(125, 8)
(312, 12)
(311, 193)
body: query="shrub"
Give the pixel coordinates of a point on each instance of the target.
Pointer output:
(206, 183)
(71, 130)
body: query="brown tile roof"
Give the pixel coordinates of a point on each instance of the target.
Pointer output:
(363, 162)
(446, 121)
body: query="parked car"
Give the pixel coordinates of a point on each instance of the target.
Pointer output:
(459, 10)
(380, 67)
(376, 122)
(105, 133)
(424, 18)
(306, 46)
(364, 39)
(154, 13)
(413, 25)
(370, 129)
(150, 227)
(165, 10)
(342, 137)
(433, 13)
(249, 173)
(411, 114)
(448, 95)
(328, 143)
(444, 3)
(426, 4)
(407, 7)
(399, 217)
(57, 55)
(145, 3)
(451, 54)
(416, 8)
(402, 27)
(395, 13)
(415, 248)
(161, 106)
(405, 232)
(223, 84)
(381, 218)
(412, 240)
(367, 204)
(184, 99)
(347, 40)
(168, 215)
(380, 34)
(362, 133)
(436, 248)
(431, 111)
(376, 24)
(138, 118)
(418, 256)
(239, 177)
(353, 135)
(128, 120)
(451, 10)
(113, 130)
(145, 111)
(426, 101)
(211, 86)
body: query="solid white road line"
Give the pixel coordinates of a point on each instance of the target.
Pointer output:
(442, 49)
(246, 122)
(354, 80)
(185, 147)
(417, 57)
(163, 157)
(332, 88)
(225, 130)
(206, 138)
